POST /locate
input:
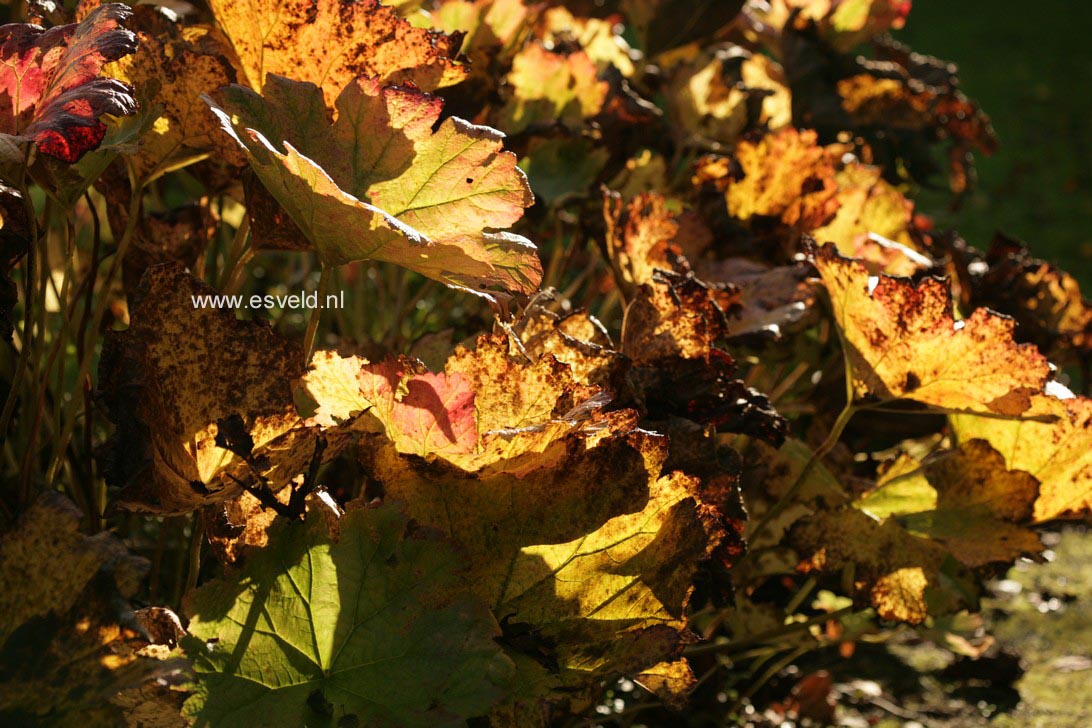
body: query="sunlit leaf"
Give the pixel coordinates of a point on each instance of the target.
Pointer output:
(902, 342)
(366, 624)
(332, 42)
(54, 95)
(379, 183)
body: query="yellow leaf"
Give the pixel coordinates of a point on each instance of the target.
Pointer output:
(902, 342)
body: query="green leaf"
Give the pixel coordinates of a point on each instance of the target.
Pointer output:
(379, 183)
(313, 630)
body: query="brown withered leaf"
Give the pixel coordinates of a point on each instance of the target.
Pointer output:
(176, 371)
(1046, 302)
(770, 299)
(68, 637)
(576, 339)
(902, 342)
(332, 42)
(1056, 451)
(642, 236)
(671, 333)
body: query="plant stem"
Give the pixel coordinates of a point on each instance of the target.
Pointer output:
(828, 444)
(316, 312)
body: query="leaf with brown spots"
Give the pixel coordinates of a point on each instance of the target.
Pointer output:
(1056, 451)
(68, 637)
(169, 378)
(603, 574)
(332, 42)
(427, 200)
(902, 342)
(172, 67)
(50, 82)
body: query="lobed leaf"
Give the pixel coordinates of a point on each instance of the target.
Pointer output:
(367, 625)
(49, 80)
(902, 342)
(379, 183)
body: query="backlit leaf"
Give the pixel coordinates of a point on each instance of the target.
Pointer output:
(1058, 452)
(902, 342)
(332, 42)
(366, 624)
(49, 79)
(379, 183)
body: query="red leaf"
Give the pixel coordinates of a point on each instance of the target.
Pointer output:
(50, 89)
(423, 413)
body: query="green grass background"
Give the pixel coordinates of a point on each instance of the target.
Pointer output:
(1029, 64)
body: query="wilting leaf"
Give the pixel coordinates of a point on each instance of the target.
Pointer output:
(67, 634)
(368, 627)
(332, 42)
(176, 371)
(1046, 302)
(405, 194)
(642, 236)
(49, 79)
(171, 68)
(902, 342)
(1057, 452)
(769, 299)
(966, 500)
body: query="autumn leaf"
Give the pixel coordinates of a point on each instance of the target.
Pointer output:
(1047, 303)
(421, 199)
(549, 88)
(370, 624)
(423, 413)
(68, 635)
(1056, 449)
(904, 577)
(50, 80)
(724, 91)
(902, 342)
(966, 500)
(332, 42)
(172, 67)
(842, 24)
(176, 372)
(599, 575)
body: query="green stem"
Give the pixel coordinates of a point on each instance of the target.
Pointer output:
(316, 312)
(828, 444)
(774, 634)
